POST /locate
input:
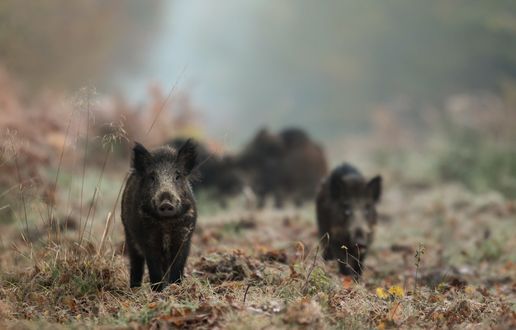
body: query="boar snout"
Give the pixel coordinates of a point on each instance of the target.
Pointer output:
(360, 233)
(168, 204)
(360, 238)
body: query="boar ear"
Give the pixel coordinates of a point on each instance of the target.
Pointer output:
(374, 188)
(141, 157)
(187, 156)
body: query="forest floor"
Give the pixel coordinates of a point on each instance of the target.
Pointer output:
(442, 257)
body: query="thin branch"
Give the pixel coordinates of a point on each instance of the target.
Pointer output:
(245, 293)
(20, 183)
(166, 101)
(104, 234)
(85, 158)
(311, 269)
(52, 202)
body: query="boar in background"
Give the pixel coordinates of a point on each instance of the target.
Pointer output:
(287, 166)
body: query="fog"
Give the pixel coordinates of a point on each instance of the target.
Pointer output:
(324, 66)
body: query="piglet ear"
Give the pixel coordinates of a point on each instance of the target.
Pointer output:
(187, 156)
(141, 158)
(374, 188)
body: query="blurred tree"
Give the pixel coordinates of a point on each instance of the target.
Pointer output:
(339, 57)
(66, 44)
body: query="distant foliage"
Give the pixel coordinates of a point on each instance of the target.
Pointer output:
(479, 163)
(65, 44)
(341, 56)
(54, 130)
(481, 135)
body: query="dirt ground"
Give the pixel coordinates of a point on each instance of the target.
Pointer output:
(442, 257)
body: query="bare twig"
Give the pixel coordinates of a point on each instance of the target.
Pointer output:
(85, 159)
(20, 185)
(311, 269)
(111, 214)
(246, 291)
(52, 202)
(419, 254)
(174, 86)
(347, 261)
(104, 234)
(394, 310)
(94, 199)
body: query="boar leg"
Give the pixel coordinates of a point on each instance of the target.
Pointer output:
(155, 271)
(327, 254)
(136, 264)
(175, 273)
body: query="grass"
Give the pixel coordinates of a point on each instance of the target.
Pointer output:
(252, 269)
(275, 265)
(480, 163)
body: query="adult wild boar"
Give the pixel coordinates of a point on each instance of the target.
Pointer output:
(286, 166)
(159, 213)
(346, 215)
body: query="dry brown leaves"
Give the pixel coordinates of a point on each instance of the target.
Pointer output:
(205, 316)
(304, 312)
(223, 267)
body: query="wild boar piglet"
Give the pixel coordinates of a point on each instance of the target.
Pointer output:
(346, 215)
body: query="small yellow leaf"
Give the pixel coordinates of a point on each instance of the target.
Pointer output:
(380, 293)
(397, 291)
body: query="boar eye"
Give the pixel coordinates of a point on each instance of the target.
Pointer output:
(153, 177)
(177, 175)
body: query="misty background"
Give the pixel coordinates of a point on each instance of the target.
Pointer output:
(324, 66)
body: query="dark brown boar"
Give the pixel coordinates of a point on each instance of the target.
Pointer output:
(159, 213)
(304, 166)
(346, 215)
(286, 166)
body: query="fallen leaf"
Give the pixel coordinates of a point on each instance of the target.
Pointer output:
(347, 282)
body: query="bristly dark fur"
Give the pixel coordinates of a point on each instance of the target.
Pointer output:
(159, 213)
(346, 216)
(287, 166)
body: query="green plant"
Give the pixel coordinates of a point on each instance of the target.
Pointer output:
(480, 163)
